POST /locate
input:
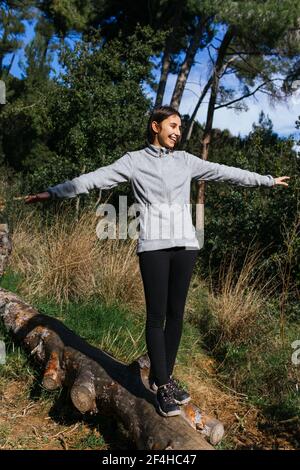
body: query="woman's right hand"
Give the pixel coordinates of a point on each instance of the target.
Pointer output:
(37, 197)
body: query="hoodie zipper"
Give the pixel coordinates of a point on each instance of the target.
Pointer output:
(163, 178)
(168, 193)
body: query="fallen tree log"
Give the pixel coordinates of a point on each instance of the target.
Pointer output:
(98, 383)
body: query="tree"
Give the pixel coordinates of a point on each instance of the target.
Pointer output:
(251, 48)
(12, 29)
(95, 110)
(237, 216)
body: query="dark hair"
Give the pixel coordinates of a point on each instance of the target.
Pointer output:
(158, 115)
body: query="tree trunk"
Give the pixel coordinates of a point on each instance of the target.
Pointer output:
(166, 61)
(200, 199)
(165, 67)
(98, 383)
(187, 64)
(189, 127)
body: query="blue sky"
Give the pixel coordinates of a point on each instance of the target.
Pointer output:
(283, 115)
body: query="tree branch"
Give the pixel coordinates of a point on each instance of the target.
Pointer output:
(247, 94)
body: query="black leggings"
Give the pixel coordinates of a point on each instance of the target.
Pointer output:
(166, 276)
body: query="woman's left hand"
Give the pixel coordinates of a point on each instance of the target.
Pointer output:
(281, 179)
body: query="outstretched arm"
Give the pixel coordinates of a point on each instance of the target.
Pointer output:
(209, 171)
(105, 177)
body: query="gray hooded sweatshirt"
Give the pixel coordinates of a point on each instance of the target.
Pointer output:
(161, 181)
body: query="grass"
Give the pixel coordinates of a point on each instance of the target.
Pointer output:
(67, 262)
(241, 323)
(93, 440)
(235, 351)
(113, 329)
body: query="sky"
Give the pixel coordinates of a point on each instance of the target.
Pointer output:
(282, 115)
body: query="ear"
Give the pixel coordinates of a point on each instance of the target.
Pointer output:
(155, 126)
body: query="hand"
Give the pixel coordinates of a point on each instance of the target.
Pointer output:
(281, 179)
(37, 197)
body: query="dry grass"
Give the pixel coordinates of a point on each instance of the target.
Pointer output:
(240, 296)
(27, 240)
(68, 262)
(118, 274)
(241, 419)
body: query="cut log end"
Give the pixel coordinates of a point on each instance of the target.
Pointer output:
(83, 394)
(51, 383)
(53, 373)
(83, 399)
(216, 434)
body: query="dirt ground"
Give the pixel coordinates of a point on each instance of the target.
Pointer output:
(37, 421)
(40, 423)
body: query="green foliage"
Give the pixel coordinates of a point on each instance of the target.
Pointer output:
(263, 370)
(54, 130)
(100, 109)
(234, 215)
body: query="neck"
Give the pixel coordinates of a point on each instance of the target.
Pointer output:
(157, 144)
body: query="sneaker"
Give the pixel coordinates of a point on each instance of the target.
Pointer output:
(180, 395)
(166, 403)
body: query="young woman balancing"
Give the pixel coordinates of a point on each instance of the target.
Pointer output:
(167, 245)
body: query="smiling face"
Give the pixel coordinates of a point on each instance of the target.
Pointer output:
(167, 132)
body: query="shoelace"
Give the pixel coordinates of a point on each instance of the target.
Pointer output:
(174, 384)
(167, 393)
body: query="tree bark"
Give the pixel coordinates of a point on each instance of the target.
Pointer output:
(99, 383)
(200, 199)
(189, 127)
(166, 60)
(165, 67)
(187, 64)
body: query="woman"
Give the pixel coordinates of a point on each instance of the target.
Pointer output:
(167, 246)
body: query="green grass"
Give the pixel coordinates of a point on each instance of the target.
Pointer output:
(11, 281)
(258, 364)
(91, 441)
(261, 367)
(113, 329)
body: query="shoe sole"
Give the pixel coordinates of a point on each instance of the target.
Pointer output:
(183, 402)
(170, 413)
